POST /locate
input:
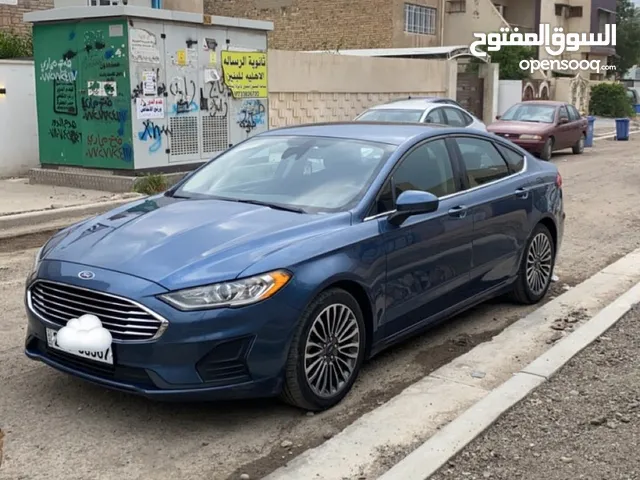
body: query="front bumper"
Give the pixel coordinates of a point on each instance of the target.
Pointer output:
(204, 355)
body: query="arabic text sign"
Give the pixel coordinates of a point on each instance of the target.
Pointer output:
(554, 43)
(245, 73)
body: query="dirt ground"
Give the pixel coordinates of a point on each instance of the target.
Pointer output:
(582, 424)
(60, 428)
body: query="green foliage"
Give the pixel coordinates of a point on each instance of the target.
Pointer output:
(151, 184)
(610, 100)
(509, 59)
(628, 37)
(13, 45)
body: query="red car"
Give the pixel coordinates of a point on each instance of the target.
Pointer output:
(542, 127)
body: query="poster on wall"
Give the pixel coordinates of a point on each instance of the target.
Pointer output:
(143, 46)
(245, 73)
(147, 108)
(149, 83)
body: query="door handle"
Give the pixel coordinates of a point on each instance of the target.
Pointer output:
(522, 192)
(459, 212)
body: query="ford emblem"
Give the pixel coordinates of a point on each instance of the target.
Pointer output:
(86, 275)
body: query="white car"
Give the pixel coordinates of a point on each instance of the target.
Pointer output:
(422, 111)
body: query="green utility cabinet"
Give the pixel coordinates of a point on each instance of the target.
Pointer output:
(120, 89)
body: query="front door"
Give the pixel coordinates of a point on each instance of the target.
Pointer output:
(429, 255)
(500, 204)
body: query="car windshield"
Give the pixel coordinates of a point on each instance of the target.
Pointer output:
(391, 115)
(300, 173)
(530, 113)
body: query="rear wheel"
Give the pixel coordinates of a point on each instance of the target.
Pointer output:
(547, 149)
(536, 268)
(578, 148)
(326, 353)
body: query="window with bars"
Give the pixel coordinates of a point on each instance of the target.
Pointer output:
(419, 19)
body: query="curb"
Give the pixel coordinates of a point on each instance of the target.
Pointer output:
(427, 459)
(44, 216)
(612, 134)
(425, 408)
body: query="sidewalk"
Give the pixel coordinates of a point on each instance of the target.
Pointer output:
(584, 423)
(18, 196)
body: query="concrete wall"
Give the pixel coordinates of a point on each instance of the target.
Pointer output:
(19, 132)
(331, 24)
(509, 93)
(319, 87)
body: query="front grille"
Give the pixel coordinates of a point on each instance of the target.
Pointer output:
(125, 319)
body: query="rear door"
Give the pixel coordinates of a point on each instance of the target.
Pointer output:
(575, 120)
(500, 204)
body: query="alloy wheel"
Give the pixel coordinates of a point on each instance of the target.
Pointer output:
(331, 350)
(539, 263)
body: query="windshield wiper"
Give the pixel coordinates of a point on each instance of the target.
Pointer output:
(275, 206)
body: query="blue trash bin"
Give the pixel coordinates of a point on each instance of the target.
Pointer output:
(622, 128)
(588, 142)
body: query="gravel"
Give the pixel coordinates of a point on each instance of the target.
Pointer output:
(584, 423)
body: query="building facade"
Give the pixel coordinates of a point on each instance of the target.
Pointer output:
(11, 12)
(340, 24)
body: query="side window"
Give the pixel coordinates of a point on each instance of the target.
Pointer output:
(573, 113)
(435, 116)
(563, 112)
(483, 162)
(455, 117)
(427, 168)
(513, 158)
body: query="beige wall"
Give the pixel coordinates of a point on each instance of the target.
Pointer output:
(321, 87)
(460, 27)
(193, 6)
(521, 13)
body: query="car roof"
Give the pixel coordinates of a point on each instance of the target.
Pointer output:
(381, 132)
(546, 103)
(413, 104)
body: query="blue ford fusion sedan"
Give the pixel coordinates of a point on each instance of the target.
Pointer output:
(281, 265)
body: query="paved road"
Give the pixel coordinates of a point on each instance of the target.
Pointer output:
(59, 428)
(583, 424)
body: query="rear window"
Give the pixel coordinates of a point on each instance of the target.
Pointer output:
(391, 115)
(514, 159)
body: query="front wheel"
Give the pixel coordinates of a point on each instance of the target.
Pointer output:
(536, 268)
(547, 149)
(326, 353)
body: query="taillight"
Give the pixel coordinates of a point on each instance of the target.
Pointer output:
(559, 180)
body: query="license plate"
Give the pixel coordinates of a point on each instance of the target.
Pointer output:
(105, 356)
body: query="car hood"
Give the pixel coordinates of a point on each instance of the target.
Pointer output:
(183, 243)
(532, 128)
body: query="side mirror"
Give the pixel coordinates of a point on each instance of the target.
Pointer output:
(563, 120)
(413, 202)
(498, 117)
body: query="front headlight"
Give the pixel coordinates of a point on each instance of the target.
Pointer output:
(234, 293)
(36, 261)
(530, 137)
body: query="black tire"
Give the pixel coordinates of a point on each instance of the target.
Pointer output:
(578, 148)
(547, 149)
(523, 291)
(297, 390)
